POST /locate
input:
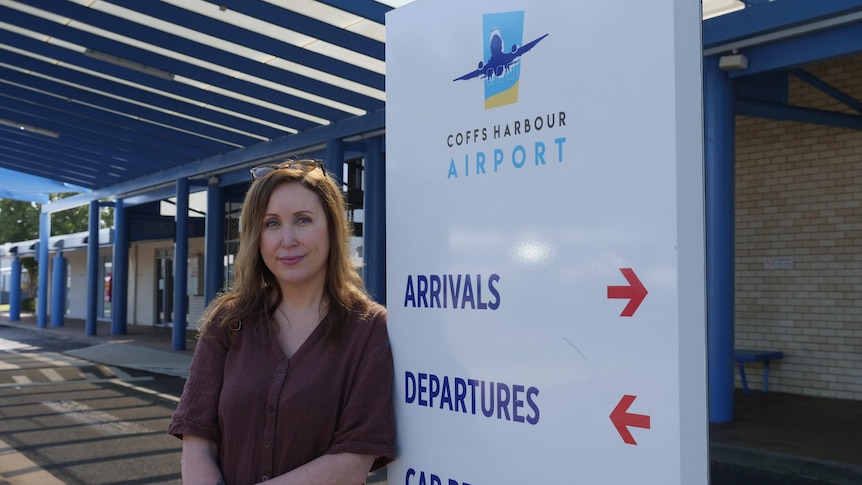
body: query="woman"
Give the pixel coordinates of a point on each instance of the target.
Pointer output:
(291, 379)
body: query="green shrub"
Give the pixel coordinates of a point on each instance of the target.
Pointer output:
(28, 305)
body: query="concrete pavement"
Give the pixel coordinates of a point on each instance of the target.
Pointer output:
(811, 437)
(136, 357)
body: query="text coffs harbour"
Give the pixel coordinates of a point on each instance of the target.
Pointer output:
(538, 123)
(483, 159)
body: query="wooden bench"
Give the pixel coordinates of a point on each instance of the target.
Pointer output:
(747, 355)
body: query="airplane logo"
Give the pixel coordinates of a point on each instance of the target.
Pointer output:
(502, 69)
(500, 62)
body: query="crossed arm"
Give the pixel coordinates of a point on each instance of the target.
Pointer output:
(200, 457)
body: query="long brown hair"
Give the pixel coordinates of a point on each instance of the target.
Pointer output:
(256, 289)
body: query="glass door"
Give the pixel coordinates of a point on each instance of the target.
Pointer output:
(164, 287)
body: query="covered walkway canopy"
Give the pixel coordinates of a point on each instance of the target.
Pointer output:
(121, 96)
(136, 101)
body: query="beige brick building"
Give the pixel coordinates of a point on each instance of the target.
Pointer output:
(799, 241)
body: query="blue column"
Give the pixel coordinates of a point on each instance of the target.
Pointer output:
(58, 291)
(214, 255)
(374, 230)
(90, 326)
(181, 265)
(335, 159)
(719, 158)
(120, 279)
(44, 237)
(15, 291)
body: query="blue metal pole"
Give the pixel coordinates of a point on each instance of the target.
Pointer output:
(214, 256)
(15, 290)
(375, 220)
(181, 261)
(90, 325)
(335, 159)
(58, 291)
(120, 279)
(719, 159)
(42, 299)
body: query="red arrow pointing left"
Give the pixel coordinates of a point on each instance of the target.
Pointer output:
(622, 419)
(635, 292)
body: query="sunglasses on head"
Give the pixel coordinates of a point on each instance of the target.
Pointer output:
(306, 165)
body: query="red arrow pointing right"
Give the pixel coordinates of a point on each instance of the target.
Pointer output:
(635, 292)
(622, 419)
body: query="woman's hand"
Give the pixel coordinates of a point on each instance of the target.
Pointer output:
(334, 469)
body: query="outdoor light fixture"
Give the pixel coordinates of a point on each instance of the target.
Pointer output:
(733, 62)
(136, 66)
(30, 128)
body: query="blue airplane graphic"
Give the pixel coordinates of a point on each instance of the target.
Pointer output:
(500, 62)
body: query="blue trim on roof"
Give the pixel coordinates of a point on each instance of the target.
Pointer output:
(105, 139)
(286, 145)
(140, 95)
(763, 18)
(264, 43)
(202, 148)
(785, 112)
(200, 51)
(170, 65)
(371, 10)
(797, 51)
(180, 89)
(827, 88)
(116, 146)
(194, 130)
(306, 25)
(50, 163)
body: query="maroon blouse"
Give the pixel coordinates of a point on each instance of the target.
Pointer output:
(270, 414)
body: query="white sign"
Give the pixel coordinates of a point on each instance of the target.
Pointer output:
(777, 262)
(545, 250)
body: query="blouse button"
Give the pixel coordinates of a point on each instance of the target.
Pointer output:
(264, 478)
(270, 408)
(266, 444)
(280, 376)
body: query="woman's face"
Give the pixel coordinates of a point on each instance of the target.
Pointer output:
(294, 237)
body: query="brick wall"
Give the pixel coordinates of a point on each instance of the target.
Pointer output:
(799, 202)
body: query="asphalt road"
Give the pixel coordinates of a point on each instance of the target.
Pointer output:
(85, 423)
(91, 424)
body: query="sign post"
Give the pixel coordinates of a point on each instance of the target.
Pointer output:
(545, 246)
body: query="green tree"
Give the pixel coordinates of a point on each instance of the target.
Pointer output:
(77, 219)
(19, 221)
